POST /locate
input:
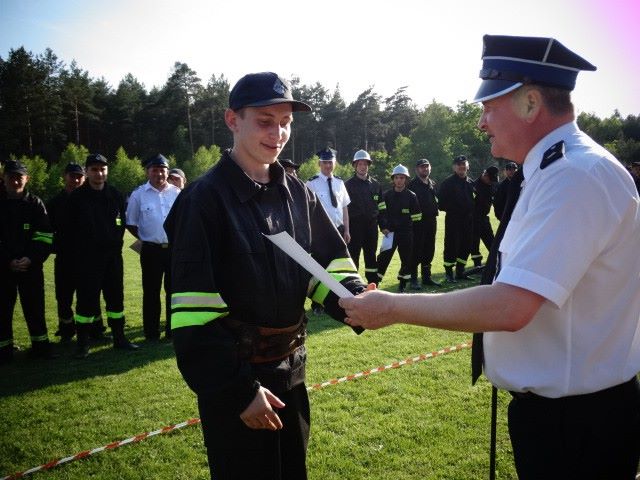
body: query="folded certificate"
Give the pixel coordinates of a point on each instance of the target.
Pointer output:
(289, 246)
(387, 242)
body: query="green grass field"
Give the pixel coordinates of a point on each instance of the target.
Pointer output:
(421, 421)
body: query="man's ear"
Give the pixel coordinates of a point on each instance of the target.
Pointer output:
(231, 119)
(528, 104)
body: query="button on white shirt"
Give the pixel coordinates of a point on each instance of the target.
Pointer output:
(320, 186)
(573, 239)
(148, 208)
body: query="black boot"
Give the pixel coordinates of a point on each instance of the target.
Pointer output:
(97, 329)
(414, 285)
(66, 330)
(42, 349)
(402, 286)
(120, 342)
(82, 340)
(426, 278)
(449, 274)
(460, 275)
(477, 261)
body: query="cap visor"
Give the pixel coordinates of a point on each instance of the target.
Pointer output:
(490, 89)
(296, 106)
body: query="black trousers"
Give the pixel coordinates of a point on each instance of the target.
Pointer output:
(237, 452)
(594, 436)
(101, 272)
(481, 231)
(65, 282)
(424, 246)
(403, 241)
(154, 262)
(30, 286)
(457, 239)
(364, 238)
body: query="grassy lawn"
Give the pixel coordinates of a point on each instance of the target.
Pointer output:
(421, 421)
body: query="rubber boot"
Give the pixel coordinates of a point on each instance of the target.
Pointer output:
(120, 341)
(477, 261)
(42, 349)
(449, 274)
(427, 281)
(66, 329)
(82, 340)
(402, 286)
(97, 329)
(460, 275)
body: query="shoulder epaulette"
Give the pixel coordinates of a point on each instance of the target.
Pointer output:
(314, 177)
(555, 152)
(336, 176)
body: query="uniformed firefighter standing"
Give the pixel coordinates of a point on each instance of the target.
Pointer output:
(98, 221)
(455, 197)
(399, 211)
(147, 210)
(66, 257)
(424, 231)
(484, 187)
(365, 194)
(25, 243)
(500, 197)
(238, 301)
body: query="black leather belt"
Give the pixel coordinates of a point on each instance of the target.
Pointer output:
(622, 389)
(157, 245)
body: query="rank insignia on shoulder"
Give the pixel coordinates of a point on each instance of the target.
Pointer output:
(336, 176)
(314, 177)
(555, 152)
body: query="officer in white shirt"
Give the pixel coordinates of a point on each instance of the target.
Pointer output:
(332, 193)
(563, 313)
(147, 209)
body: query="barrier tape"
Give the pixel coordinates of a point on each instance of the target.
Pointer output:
(194, 421)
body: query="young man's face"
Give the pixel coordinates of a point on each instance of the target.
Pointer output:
(423, 171)
(399, 182)
(97, 175)
(72, 181)
(327, 167)
(157, 176)
(362, 168)
(509, 172)
(260, 133)
(176, 180)
(15, 182)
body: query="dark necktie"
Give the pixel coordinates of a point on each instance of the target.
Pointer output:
(491, 267)
(334, 201)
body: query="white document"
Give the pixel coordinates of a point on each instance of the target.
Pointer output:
(387, 242)
(289, 246)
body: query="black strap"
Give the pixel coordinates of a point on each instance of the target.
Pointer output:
(334, 201)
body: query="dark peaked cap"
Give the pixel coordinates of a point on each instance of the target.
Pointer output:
(510, 62)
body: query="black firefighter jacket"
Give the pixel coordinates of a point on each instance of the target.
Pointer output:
(223, 266)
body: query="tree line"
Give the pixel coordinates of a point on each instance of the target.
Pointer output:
(51, 112)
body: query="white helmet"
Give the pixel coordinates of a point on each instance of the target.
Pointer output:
(400, 170)
(361, 155)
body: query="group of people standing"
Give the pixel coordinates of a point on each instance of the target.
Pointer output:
(84, 226)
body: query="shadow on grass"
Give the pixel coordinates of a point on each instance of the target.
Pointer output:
(26, 374)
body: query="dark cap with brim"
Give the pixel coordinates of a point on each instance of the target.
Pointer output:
(13, 166)
(509, 62)
(177, 172)
(95, 158)
(327, 155)
(158, 160)
(422, 161)
(74, 169)
(460, 159)
(261, 90)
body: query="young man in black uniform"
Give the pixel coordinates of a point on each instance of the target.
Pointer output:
(455, 197)
(25, 243)
(424, 231)
(500, 198)
(66, 257)
(484, 187)
(98, 221)
(399, 211)
(238, 301)
(365, 193)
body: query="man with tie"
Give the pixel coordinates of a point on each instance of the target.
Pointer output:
(561, 318)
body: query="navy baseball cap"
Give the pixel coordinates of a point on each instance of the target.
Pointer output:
(327, 154)
(263, 89)
(178, 172)
(157, 161)
(14, 166)
(492, 172)
(460, 159)
(95, 158)
(74, 168)
(510, 62)
(422, 161)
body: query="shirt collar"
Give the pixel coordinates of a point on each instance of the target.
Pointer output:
(534, 157)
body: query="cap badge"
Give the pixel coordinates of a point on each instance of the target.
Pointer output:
(279, 87)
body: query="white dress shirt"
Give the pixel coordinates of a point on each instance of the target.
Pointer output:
(320, 186)
(148, 208)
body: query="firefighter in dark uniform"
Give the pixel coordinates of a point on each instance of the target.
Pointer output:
(484, 187)
(455, 197)
(635, 173)
(365, 193)
(66, 258)
(500, 198)
(98, 221)
(238, 301)
(25, 243)
(424, 231)
(399, 211)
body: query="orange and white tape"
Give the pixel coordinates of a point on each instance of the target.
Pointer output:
(194, 421)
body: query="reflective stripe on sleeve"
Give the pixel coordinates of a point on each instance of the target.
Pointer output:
(43, 237)
(416, 217)
(190, 309)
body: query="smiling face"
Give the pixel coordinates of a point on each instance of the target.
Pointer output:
(15, 183)
(157, 176)
(259, 134)
(72, 181)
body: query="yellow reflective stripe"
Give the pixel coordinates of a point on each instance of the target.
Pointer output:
(460, 260)
(320, 294)
(197, 299)
(372, 270)
(321, 290)
(115, 315)
(39, 338)
(44, 237)
(449, 264)
(404, 277)
(382, 206)
(6, 343)
(194, 319)
(404, 210)
(341, 265)
(416, 217)
(83, 319)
